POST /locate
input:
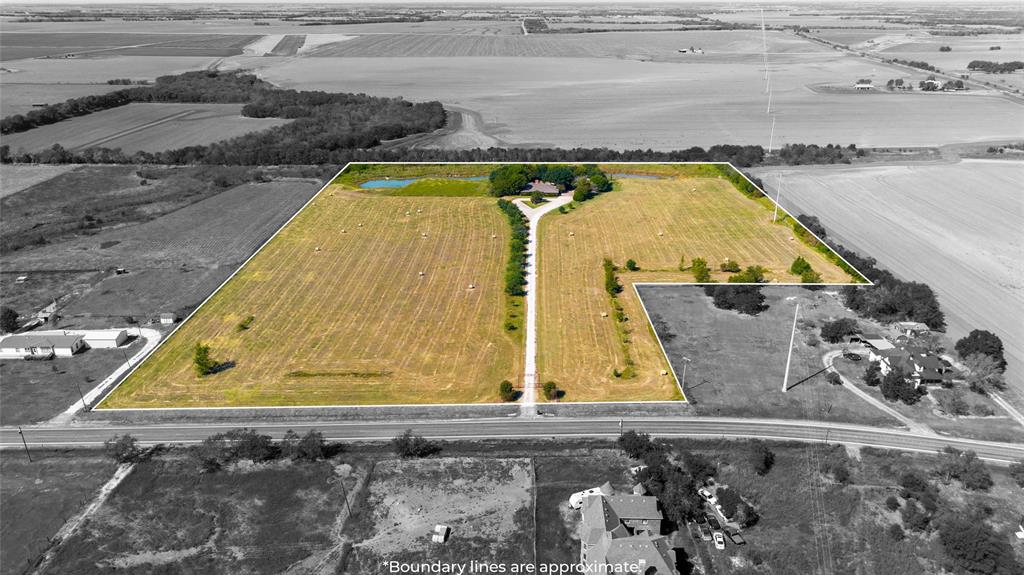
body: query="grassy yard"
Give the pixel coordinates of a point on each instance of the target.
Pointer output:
(656, 222)
(37, 497)
(738, 362)
(360, 300)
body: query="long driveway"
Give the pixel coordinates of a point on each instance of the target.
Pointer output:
(527, 428)
(918, 427)
(529, 399)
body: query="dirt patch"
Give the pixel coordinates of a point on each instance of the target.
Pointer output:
(486, 502)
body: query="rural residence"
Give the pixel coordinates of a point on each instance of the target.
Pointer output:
(625, 531)
(546, 188)
(40, 346)
(922, 367)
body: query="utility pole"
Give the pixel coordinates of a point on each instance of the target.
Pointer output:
(126, 360)
(80, 394)
(789, 356)
(771, 136)
(778, 196)
(25, 443)
(682, 384)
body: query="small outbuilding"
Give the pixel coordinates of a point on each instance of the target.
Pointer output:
(40, 346)
(168, 318)
(105, 338)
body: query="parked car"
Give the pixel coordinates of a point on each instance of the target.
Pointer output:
(713, 523)
(719, 540)
(576, 499)
(852, 356)
(736, 538)
(707, 496)
(705, 533)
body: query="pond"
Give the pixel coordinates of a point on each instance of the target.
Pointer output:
(396, 183)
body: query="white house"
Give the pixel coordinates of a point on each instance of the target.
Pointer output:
(911, 328)
(864, 86)
(35, 345)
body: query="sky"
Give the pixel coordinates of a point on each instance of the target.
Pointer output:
(781, 4)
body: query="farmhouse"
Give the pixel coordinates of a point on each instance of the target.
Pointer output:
(546, 188)
(917, 363)
(624, 530)
(864, 86)
(40, 345)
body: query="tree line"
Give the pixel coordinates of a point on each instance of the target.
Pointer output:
(995, 67)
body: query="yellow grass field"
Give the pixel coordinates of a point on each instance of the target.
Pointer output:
(353, 322)
(654, 222)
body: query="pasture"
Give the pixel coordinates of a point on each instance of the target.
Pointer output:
(344, 316)
(655, 222)
(144, 127)
(22, 45)
(920, 223)
(20, 98)
(15, 178)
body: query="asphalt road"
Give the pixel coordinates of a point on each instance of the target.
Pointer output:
(532, 428)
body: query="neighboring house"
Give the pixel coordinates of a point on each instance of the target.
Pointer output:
(921, 366)
(911, 328)
(546, 188)
(34, 345)
(624, 531)
(168, 318)
(863, 86)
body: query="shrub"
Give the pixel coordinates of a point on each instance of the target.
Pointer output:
(914, 518)
(536, 198)
(204, 364)
(506, 391)
(896, 387)
(122, 448)
(810, 277)
(834, 378)
(550, 390)
(951, 402)
(762, 458)
(637, 444)
(245, 323)
(965, 467)
(682, 264)
(873, 374)
(835, 331)
(1017, 472)
(892, 503)
(799, 266)
(751, 275)
(730, 266)
(982, 410)
(8, 319)
(631, 265)
(896, 532)
(223, 448)
(974, 547)
(746, 299)
(409, 445)
(983, 373)
(611, 281)
(701, 274)
(582, 191)
(309, 447)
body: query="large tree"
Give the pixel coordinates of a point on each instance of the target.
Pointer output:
(983, 373)
(984, 342)
(8, 319)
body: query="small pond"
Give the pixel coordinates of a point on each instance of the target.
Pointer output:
(396, 183)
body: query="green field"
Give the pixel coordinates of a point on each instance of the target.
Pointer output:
(342, 314)
(685, 213)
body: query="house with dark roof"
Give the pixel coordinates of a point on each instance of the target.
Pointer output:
(918, 364)
(45, 345)
(622, 534)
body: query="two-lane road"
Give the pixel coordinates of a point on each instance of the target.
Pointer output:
(529, 428)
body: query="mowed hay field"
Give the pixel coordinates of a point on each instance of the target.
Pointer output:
(146, 127)
(698, 217)
(352, 323)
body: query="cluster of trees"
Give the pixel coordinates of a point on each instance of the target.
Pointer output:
(222, 449)
(735, 508)
(8, 320)
(945, 48)
(965, 467)
(512, 179)
(751, 275)
(890, 299)
(800, 154)
(995, 67)
(916, 64)
(515, 270)
(982, 354)
(745, 299)
(611, 279)
(896, 386)
(834, 331)
(674, 486)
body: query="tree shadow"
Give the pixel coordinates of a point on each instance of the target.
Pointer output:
(223, 366)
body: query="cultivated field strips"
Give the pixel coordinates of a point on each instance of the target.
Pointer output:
(697, 217)
(288, 46)
(356, 316)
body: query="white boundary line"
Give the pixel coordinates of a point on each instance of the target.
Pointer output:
(661, 345)
(99, 408)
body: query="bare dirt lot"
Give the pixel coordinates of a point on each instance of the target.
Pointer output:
(488, 503)
(955, 227)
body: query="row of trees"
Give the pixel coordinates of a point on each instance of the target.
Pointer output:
(515, 269)
(995, 67)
